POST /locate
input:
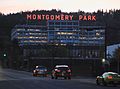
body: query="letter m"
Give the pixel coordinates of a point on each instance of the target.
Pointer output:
(29, 17)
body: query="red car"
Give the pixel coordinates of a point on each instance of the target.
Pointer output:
(61, 71)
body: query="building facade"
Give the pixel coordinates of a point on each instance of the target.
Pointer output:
(83, 42)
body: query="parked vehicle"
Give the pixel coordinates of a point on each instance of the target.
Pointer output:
(108, 78)
(61, 71)
(40, 70)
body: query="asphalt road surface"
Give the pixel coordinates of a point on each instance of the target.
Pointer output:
(12, 79)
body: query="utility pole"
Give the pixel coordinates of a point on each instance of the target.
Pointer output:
(5, 59)
(118, 61)
(118, 65)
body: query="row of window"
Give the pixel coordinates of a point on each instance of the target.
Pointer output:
(94, 32)
(61, 41)
(31, 37)
(78, 41)
(33, 41)
(75, 37)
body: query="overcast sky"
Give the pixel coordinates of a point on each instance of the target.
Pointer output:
(10, 6)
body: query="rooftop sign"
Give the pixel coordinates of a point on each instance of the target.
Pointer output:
(60, 17)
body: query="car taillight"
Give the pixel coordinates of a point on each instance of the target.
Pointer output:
(69, 70)
(109, 77)
(34, 71)
(57, 70)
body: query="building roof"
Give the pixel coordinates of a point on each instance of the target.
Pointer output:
(61, 66)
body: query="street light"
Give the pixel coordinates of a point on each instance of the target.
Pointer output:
(4, 61)
(103, 60)
(4, 54)
(105, 64)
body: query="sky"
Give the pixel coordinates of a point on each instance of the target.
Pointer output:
(13, 6)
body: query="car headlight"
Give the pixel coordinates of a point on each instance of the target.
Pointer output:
(118, 75)
(97, 76)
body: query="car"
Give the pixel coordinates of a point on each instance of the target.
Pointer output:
(40, 70)
(108, 78)
(61, 71)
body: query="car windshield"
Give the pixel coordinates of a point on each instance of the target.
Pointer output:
(111, 74)
(63, 68)
(115, 75)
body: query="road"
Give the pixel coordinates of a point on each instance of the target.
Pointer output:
(12, 79)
